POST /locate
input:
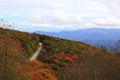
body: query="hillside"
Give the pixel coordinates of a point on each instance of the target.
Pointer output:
(73, 60)
(60, 59)
(16, 48)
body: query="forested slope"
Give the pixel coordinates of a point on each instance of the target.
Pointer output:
(16, 48)
(73, 60)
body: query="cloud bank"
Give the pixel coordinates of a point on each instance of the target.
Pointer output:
(61, 15)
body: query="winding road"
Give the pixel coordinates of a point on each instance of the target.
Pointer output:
(35, 55)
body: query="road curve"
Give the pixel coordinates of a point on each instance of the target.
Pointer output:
(35, 55)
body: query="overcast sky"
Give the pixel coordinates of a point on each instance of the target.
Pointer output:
(61, 15)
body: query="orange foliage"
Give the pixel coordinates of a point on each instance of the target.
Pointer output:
(65, 56)
(17, 66)
(37, 70)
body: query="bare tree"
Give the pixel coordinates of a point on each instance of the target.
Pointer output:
(6, 25)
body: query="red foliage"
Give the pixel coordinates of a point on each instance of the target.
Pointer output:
(29, 37)
(41, 77)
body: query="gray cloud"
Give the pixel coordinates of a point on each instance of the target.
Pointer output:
(113, 6)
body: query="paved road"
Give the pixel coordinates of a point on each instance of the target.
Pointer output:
(35, 55)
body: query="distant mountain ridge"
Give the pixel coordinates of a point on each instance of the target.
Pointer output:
(94, 36)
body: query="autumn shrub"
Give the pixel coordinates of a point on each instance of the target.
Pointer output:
(36, 70)
(92, 67)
